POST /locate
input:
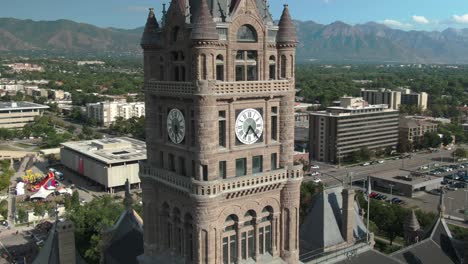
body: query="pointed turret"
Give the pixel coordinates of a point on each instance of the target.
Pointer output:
(128, 201)
(286, 31)
(150, 35)
(441, 204)
(204, 28)
(411, 222)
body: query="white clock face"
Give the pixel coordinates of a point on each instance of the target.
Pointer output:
(249, 126)
(176, 126)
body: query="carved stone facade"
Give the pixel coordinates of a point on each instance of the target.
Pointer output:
(211, 198)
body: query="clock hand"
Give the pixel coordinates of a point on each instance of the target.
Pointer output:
(253, 131)
(246, 132)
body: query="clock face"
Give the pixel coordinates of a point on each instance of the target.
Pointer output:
(176, 125)
(249, 126)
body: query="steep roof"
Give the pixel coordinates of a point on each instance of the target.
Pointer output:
(204, 28)
(322, 225)
(150, 34)
(411, 222)
(287, 30)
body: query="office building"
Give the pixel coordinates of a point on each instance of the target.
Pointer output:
(108, 162)
(394, 99)
(413, 128)
(339, 131)
(220, 185)
(18, 114)
(105, 113)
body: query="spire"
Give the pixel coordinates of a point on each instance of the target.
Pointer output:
(150, 35)
(128, 201)
(203, 26)
(441, 204)
(411, 222)
(286, 31)
(164, 15)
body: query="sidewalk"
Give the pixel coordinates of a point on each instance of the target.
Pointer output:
(11, 191)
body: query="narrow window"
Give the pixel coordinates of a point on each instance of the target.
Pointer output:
(244, 245)
(182, 169)
(204, 72)
(222, 128)
(272, 68)
(171, 162)
(251, 242)
(222, 169)
(220, 68)
(283, 66)
(161, 159)
(193, 169)
(268, 239)
(257, 164)
(192, 126)
(261, 241)
(225, 251)
(233, 249)
(240, 73)
(274, 123)
(241, 169)
(274, 161)
(205, 172)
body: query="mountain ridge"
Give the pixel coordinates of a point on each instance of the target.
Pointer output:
(335, 42)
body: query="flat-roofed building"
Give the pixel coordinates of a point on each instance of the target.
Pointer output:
(414, 127)
(18, 114)
(339, 131)
(409, 97)
(105, 113)
(382, 96)
(109, 162)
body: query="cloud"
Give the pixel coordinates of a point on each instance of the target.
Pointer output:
(463, 19)
(395, 23)
(420, 20)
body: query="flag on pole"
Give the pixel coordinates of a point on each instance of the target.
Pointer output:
(368, 191)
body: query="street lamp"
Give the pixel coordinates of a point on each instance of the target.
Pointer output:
(391, 193)
(450, 206)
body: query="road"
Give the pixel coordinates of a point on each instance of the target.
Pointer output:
(11, 193)
(331, 175)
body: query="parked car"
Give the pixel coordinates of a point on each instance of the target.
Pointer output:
(381, 161)
(314, 166)
(315, 173)
(317, 180)
(452, 187)
(373, 194)
(396, 200)
(366, 164)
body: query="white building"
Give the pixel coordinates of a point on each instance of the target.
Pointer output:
(107, 112)
(109, 162)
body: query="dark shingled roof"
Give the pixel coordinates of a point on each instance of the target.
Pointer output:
(150, 35)
(370, 257)
(204, 28)
(286, 31)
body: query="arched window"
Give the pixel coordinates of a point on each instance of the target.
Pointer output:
(174, 34)
(246, 33)
(166, 224)
(203, 67)
(230, 239)
(283, 66)
(220, 68)
(178, 65)
(188, 223)
(247, 235)
(246, 65)
(178, 234)
(272, 69)
(265, 231)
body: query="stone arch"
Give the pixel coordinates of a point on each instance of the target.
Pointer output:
(246, 33)
(252, 21)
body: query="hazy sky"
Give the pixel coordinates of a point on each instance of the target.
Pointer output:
(403, 14)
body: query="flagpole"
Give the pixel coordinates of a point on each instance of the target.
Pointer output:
(368, 207)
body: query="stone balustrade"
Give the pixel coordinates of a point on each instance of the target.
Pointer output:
(169, 88)
(219, 187)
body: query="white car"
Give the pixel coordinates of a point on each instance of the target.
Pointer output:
(314, 167)
(366, 164)
(315, 173)
(381, 161)
(317, 180)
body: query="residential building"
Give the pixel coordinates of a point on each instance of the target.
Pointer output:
(395, 98)
(18, 114)
(108, 162)
(339, 131)
(414, 127)
(19, 67)
(220, 184)
(382, 96)
(105, 113)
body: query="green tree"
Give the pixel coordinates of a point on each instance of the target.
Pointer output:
(22, 215)
(39, 209)
(460, 153)
(446, 139)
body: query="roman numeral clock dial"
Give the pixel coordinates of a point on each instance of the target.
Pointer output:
(176, 126)
(249, 126)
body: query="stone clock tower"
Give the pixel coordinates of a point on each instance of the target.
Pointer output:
(219, 185)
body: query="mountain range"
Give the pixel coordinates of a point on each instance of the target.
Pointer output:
(336, 42)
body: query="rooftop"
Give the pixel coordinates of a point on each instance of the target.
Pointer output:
(404, 177)
(110, 150)
(7, 106)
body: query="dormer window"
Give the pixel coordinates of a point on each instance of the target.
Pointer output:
(246, 33)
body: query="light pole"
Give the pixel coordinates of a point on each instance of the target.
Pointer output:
(466, 201)
(450, 206)
(391, 193)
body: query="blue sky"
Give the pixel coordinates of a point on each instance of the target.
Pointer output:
(403, 14)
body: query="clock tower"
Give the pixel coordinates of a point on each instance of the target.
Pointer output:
(219, 184)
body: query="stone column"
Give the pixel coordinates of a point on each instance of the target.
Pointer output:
(286, 129)
(347, 219)
(290, 221)
(274, 235)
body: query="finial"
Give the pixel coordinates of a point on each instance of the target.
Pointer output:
(128, 201)
(441, 203)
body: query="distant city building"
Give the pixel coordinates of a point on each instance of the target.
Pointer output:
(19, 67)
(414, 127)
(107, 112)
(108, 162)
(341, 130)
(18, 114)
(396, 98)
(80, 63)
